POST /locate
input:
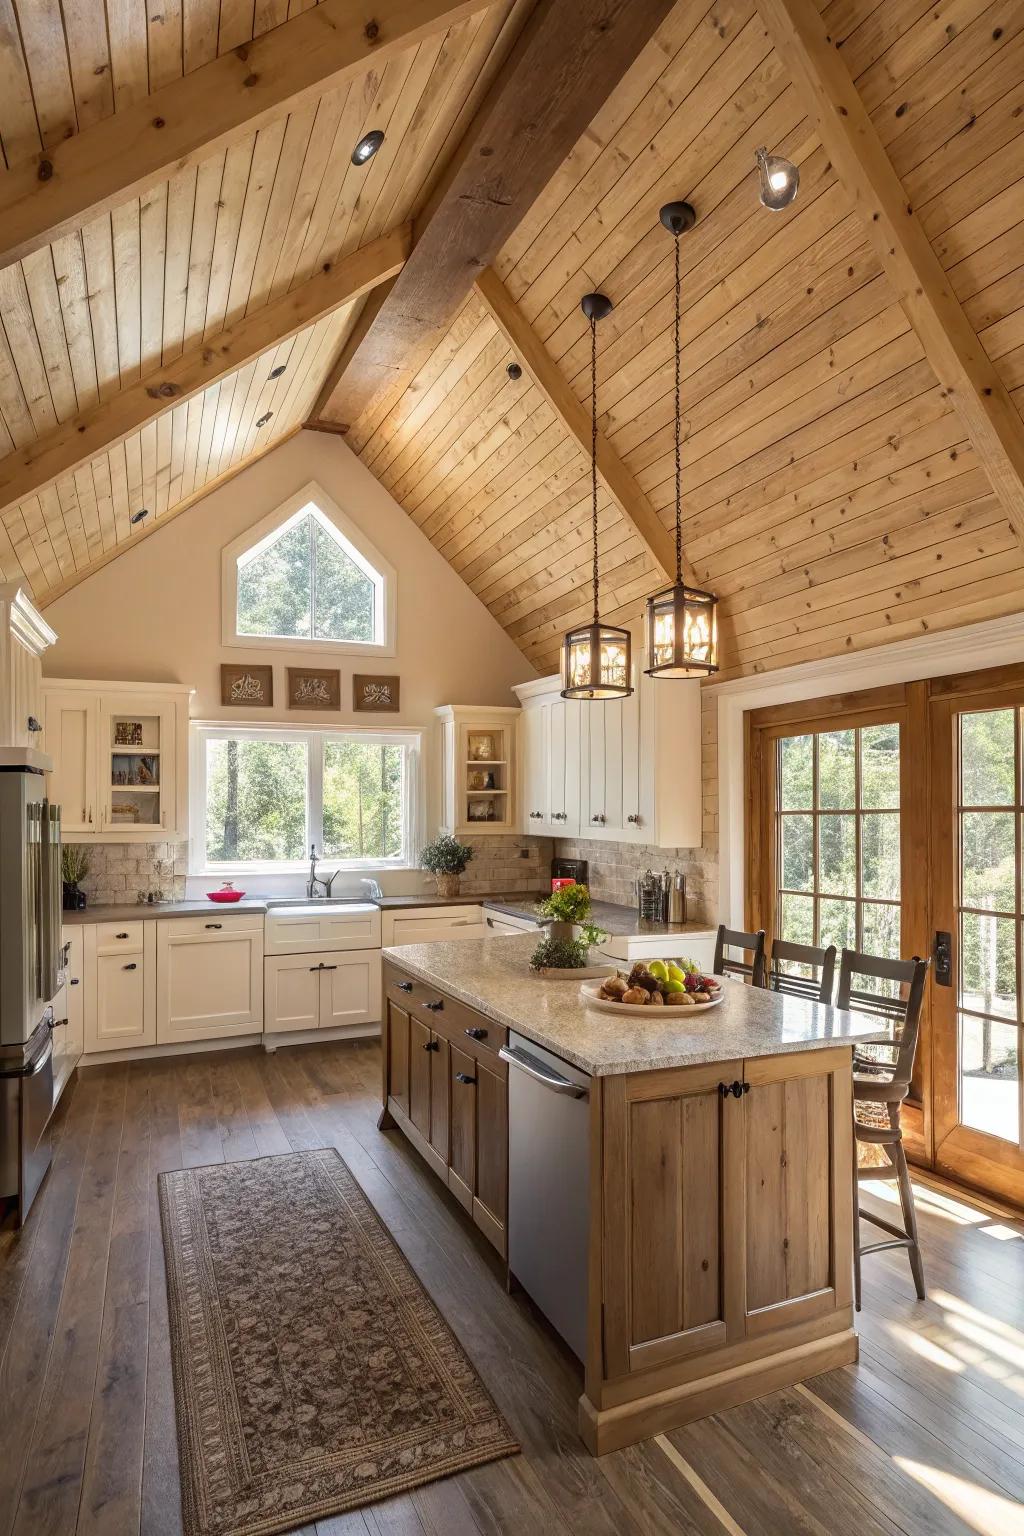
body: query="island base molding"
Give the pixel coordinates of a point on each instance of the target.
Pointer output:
(603, 1430)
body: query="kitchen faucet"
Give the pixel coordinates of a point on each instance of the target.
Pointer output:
(314, 885)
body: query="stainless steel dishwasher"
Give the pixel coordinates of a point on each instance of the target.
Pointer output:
(549, 1184)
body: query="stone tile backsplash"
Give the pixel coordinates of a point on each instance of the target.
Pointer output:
(615, 866)
(498, 864)
(119, 871)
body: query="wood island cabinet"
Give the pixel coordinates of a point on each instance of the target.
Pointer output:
(446, 1088)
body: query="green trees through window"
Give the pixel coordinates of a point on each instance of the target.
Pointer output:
(305, 584)
(268, 798)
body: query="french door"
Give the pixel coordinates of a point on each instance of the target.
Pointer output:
(893, 821)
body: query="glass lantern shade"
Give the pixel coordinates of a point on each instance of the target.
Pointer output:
(597, 663)
(682, 633)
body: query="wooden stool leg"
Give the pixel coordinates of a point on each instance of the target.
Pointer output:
(856, 1228)
(899, 1158)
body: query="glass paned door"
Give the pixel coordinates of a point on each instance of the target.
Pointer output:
(989, 919)
(837, 856)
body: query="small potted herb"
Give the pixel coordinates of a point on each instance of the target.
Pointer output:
(74, 866)
(566, 946)
(446, 858)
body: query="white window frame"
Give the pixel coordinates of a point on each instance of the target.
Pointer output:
(315, 741)
(314, 501)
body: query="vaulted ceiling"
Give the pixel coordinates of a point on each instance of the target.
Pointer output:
(853, 367)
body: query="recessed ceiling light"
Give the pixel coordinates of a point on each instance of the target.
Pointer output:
(367, 147)
(780, 179)
(514, 371)
(275, 373)
(262, 421)
(137, 517)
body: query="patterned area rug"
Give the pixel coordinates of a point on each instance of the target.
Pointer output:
(312, 1373)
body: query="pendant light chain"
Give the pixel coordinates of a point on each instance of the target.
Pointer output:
(593, 458)
(679, 426)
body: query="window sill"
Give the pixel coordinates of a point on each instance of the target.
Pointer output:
(310, 647)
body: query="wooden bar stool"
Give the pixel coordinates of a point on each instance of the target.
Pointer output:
(882, 1071)
(724, 965)
(823, 960)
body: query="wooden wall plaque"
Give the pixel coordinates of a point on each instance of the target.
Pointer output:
(246, 687)
(375, 695)
(314, 688)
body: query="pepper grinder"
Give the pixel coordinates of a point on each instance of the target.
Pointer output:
(677, 898)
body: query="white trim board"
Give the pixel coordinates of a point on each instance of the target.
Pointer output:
(994, 643)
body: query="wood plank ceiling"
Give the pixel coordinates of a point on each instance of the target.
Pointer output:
(831, 495)
(111, 303)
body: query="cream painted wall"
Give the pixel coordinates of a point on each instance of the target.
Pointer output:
(153, 614)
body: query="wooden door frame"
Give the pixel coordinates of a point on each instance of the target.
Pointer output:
(925, 710)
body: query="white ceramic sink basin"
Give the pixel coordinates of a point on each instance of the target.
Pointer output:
(322, 908)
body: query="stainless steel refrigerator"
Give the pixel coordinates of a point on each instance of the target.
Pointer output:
(30, 977)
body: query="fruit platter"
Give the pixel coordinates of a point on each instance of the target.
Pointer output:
(671, 986)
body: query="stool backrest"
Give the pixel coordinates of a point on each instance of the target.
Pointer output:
(902, 1012)
(753, 970)
(824, 960)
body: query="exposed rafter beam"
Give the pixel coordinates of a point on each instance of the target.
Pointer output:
(207, 110)
(565, 62)
(76, 441)
(951, 345)
(545, 373)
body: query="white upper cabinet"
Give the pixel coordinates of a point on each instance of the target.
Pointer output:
(119, 754)
(478, 769)
(624, 770)
(24, 636)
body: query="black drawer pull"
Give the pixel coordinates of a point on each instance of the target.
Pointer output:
(464, 1077)
(736, 1089)
(435, 1007)
(120, 935)
(322, 967)
(74, 981)
(431, 1045)
(405, 986)
(476, 1033)
(215, 925)
(131, 967)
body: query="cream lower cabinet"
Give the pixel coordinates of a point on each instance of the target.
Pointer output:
(325, 991)
(120, 973)
(209, 978)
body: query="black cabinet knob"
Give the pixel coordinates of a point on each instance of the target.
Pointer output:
(435, 1007)
(74, 981)
(464, 1077)
(405, 986)
(476, 1033)
(431, 1045)
(120, 935)
(131, 967)
(737, 1090)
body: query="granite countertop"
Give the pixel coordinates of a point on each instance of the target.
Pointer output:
(496, 980)
(137, 910)
(616, 921)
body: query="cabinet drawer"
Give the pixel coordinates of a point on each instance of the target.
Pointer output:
(198, 927)
(463, 1026)
(111, 937)
(429, 925)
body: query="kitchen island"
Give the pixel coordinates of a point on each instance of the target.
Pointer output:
(717, 1170)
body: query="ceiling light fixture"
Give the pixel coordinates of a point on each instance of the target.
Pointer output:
(138, 517)
(780, 179)
(682, 625)
(596, 658)
(367, 147)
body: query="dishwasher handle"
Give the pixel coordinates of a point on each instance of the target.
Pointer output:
(515, 1056)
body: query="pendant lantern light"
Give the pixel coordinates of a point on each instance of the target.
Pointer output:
(596, 657)
(682, 621)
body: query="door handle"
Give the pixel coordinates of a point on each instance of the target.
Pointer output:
(73, 982)
(435, 1007)
(736, 1089)
(322, 967)
(943, 952)
(130, 967)
(464, 1077)
(431, 1045)
(405, 986)
(476, 1033)
(215, 925)
(120, 935)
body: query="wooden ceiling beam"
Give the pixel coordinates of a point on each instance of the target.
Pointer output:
(549, 379)
(950, 342)
(565, 62)
(194, 117)
(81, 438)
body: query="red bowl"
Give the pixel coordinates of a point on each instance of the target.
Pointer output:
(224, 895)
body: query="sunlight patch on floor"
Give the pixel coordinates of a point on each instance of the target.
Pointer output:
(928, 1350)
(989, 1513)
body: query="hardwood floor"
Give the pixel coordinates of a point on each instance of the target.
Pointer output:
(925, 1436)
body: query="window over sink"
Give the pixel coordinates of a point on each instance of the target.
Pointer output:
(260, 798)
(306, 576)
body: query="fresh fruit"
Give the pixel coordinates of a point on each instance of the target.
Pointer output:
(684, 1000)
(659, 970)
(700, 997)
(674, 993)
(675, 972)
(656, 997)
(635, 996)
(615, 986)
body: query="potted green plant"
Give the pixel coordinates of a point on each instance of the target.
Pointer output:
(566, 946)
(446, 858)
(74, 866)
